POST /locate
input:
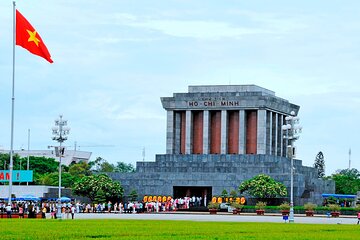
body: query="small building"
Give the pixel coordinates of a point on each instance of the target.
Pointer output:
(219, 136)
(69, 156)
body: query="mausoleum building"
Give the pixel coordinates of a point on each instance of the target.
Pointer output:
(219, 136)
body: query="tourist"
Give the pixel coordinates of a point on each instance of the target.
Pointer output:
(43, 212)
(8, 210)
(67, 211)
(115, 207)
(21, 211)
(98, 208)
(121, 207)
(31, 209)
(130, 207)
(72, 210)
(53, 213)
(109, 207)
(88, 208)
(103, 207)
(77, 207)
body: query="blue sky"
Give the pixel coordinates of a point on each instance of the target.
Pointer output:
(113, 60)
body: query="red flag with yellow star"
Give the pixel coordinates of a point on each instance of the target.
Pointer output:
(28, 38)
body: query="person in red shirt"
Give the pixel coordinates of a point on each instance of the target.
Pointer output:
(21, 211)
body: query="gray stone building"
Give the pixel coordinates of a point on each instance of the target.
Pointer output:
(219, 136)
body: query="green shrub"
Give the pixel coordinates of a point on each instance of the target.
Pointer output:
(309, 206)
(236, 205)
(357, 208)
(334, 207)
(260, 205)
(212, 205)
(284, 206)
(331, 200)
(233, 194)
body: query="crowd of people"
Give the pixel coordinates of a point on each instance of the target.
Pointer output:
(140, 206)
(32, 209)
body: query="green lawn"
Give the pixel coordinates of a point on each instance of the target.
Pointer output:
(153, 230)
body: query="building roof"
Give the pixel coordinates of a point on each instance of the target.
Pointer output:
(326, 195)
(229, 88)
(228, 97)
(69, 156)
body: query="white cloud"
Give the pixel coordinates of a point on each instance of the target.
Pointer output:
(281, 23)
(210, 30)
(114, 40)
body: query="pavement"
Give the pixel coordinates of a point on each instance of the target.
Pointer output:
(219, 217)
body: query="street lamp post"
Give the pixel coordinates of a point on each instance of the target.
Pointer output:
(60, 132)
(291, 130)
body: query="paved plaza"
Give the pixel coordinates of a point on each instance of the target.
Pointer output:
(220, 217)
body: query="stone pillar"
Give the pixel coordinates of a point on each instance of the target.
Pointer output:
(188, 133)
(215, 132)
(275, 134)
(280, 135)
(206, 132)
(233, 132)
(197, 132)
(284, 140)
(269, 132)
(182, 132)
(170, 132)
(224, 132)
(261, 132)
(242, 132)
(177, 133)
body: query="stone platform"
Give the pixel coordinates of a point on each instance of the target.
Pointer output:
(221, 171)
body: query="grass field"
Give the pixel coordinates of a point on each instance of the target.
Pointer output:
(153, 230)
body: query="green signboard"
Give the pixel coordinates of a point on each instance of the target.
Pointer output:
(17, 176)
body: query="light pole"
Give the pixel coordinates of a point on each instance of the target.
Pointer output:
(60, 132)
(291, 130)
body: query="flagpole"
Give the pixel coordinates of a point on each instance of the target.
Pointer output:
(28, 155)
(12, 106)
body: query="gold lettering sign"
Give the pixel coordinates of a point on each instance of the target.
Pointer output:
(222, 103)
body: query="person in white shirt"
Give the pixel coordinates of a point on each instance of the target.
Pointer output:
(8, 210)
(77, 207)
(72, 210)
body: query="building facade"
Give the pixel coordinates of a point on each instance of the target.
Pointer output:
(219, 136)
(244, 119)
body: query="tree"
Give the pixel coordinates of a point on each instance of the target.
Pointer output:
(352, 173)
(102, 165)
(224, 193)
(263, 186)
(320, 164)
(52, 179)
(80, 169)
(5, 160)
(133, 195)
(124, 167)
(98, 187)
(233, 193)
(42, 165)
(347, 181)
